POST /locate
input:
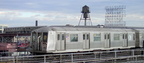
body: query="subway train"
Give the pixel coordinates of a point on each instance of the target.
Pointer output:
(63, 39)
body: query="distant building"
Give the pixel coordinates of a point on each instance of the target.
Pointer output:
(15, 36)
(2, 27)
(21, 30)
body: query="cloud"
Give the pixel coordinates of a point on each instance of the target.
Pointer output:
(137, 17)
(9, 15)
(134, 20)
(28, 17)
(51, 12)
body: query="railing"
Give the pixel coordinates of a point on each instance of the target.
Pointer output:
(134, 54)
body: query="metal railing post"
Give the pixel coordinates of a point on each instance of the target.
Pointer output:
(44, 59)
(95, 55)
(72, 57)
(14, 61)
(133, 53)
(143, 52)
(1, 58)
(23, 59)
(60, 58)
(100, 53)
(115, 55)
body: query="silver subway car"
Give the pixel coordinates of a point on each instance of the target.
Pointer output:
(58, 39)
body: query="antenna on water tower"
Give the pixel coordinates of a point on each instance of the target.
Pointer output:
(85, 15)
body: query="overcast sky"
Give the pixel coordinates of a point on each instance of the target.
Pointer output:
(60, 12)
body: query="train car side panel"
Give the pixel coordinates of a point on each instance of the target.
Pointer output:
(131, 39)
(51, 44)
(116, 40)
(74, 41)
(96, 40)
(60, 41)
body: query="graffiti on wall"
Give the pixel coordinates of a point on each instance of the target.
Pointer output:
(23, 41)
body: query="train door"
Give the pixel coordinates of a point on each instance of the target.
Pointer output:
(125, 40)
(138, 40)
(107, 40)
(86, 40)
(34, 41)
(61, 41)
(39, 45)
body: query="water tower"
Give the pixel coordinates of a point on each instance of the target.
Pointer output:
(85, 16)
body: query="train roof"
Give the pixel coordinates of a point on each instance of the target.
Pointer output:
(81, 28)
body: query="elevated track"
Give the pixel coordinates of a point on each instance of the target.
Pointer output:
(100, 56)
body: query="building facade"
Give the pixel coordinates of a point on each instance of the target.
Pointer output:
(2, 27)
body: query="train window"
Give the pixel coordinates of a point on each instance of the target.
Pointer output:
(74, 37)
(62, 36)
(58, 36)
(34, 36)
(108, 36)
(40, 37)
(126, 36)
(133, 36)
(97, 37)
(123, 36)
(105, 36)
(83, 36)
(116, 36)
(87, 36)
(45, 37)
(130, 37)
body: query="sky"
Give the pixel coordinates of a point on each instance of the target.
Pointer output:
(17, 13)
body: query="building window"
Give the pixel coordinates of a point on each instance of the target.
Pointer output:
(116, 36)
(74, 37)
(97, 37)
